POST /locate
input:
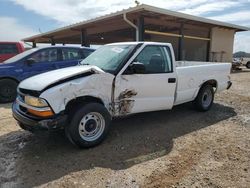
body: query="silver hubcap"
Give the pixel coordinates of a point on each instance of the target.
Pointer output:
(207, 98)
(91, 126)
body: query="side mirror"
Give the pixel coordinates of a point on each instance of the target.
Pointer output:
(137, 68)
(79, 62)
(30, 61)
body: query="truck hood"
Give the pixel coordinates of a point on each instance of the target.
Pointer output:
(52, 78)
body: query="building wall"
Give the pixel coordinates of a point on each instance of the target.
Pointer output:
(194, 50)
(173, 40)
(221, 46)
(218, 49)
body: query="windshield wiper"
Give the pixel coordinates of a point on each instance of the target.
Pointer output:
(84, 64)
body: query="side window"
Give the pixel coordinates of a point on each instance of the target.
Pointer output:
(156, 59)
(70, 54)
(86, 52)
(48, 55)
(8, 49)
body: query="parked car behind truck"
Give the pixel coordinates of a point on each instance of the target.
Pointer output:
(116, 80)
(246, 62)
(10, 49)
(237, 63)
(36, 61)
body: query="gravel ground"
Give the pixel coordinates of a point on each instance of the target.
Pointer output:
(177, 148)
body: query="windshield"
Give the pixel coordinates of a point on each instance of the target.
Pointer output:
(21, 55)
(108, 57)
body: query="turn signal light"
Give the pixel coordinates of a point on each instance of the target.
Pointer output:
(41, 113)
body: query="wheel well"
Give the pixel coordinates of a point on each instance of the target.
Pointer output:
(210, 82)
(213, 83)
(9, 78)
(79, 101)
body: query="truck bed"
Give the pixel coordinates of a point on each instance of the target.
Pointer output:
(192, 74)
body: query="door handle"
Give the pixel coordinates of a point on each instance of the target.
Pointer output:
(171, 80)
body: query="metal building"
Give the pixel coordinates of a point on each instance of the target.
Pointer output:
(193, 38)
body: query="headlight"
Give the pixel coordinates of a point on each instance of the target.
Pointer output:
(34, 101)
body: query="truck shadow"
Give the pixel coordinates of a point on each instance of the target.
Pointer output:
(132, 140)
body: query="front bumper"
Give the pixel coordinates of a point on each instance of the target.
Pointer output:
(32, 123)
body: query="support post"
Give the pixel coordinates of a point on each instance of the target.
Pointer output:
(141, 28)
(84, 39)
(208, 46)
(181, 42)
(33, 44)
(133, 33)
(52, 41)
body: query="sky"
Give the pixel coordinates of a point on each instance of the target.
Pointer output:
(24, 18)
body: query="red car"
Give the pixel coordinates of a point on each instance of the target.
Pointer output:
(10, 49)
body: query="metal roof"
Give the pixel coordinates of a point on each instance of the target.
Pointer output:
(138, 9)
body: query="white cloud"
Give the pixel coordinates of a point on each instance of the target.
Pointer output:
(241, 16)
(11, 30)
(242, 41)
(177, 5)
(71, 11)
(210, 7)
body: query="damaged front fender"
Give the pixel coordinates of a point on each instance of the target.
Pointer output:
(95, 85)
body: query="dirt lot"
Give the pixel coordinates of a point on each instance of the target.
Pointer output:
(178, 148)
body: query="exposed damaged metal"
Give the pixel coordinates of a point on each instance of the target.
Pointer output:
(125, 103)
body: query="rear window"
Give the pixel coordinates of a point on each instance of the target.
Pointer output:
(8, 49)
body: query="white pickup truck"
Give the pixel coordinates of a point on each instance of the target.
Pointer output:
(116, 80)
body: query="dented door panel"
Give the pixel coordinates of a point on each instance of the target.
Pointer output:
(143, 92)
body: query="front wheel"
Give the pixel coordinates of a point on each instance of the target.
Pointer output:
(205, 98)
(248, 65)
(89, 125)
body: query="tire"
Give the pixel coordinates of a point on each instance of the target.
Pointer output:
(248, 65)
(89, 125)
(205, 98)
(8, 90)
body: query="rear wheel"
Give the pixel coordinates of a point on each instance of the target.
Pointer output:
(205, 98)
(8, 90)
(89, 125)
(248, 65)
